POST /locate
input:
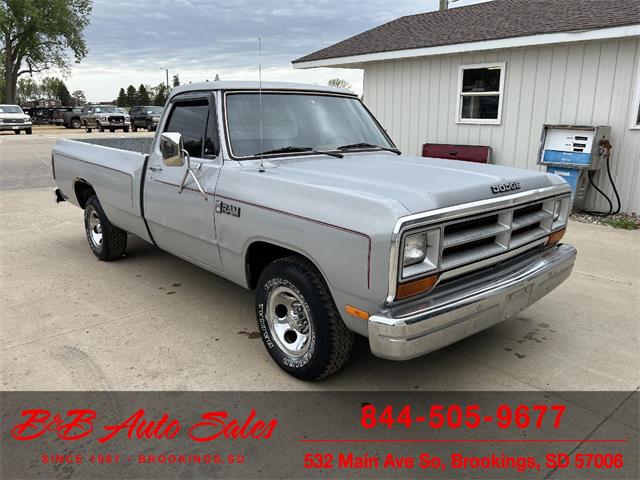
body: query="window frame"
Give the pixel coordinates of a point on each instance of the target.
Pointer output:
(209, 128)
(635, 103)
(480, 121)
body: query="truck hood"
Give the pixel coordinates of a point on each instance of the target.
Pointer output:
(418, 183)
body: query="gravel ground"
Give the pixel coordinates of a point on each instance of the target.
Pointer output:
(625, 221)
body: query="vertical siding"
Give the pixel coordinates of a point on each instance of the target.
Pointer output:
(589, 83)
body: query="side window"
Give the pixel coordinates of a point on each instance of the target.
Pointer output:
(189, 118)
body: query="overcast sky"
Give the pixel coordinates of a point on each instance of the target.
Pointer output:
(130, 41)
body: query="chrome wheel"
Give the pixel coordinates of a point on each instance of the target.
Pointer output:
(95, 229)
(288, 320)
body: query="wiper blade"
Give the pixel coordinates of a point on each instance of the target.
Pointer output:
(292, 149)
(368, 145)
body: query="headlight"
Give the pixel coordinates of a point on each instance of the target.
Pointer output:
(415, 249)
(103, 117)
(420, 253)
(560, 212)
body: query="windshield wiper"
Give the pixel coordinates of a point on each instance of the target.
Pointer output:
(368, 145)
(291, 149)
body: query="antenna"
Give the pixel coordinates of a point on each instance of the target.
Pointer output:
(260, 100)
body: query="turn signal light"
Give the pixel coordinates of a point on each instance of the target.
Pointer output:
(416, 287)
(356, 312)
(555, 237)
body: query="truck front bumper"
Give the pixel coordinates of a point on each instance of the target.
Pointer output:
(463, 308)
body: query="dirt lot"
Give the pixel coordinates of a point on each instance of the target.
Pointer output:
(152, 321)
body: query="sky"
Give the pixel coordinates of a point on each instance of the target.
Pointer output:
(132, 41)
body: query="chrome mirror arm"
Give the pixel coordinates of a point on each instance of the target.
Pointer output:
(188, 172)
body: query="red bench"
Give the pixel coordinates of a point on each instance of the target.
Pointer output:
(469, 153)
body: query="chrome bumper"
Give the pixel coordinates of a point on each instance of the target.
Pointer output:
(462, 309)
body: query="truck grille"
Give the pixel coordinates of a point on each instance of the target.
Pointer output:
(116, 118)
(13, 120)
(483, 236)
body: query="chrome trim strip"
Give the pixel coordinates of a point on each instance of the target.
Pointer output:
(418, 220)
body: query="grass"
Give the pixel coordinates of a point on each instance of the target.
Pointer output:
(624, 223)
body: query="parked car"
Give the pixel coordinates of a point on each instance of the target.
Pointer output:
(71, 118)
(145, 117)
(296, 191)
(105, 116)
(13, 118)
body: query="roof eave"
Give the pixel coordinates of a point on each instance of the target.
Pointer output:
(356, 61)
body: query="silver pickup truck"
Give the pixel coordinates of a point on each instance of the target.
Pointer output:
(296, 191)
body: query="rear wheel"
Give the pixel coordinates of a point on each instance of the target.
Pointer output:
(107, 241)
(150, 127)
(87, 128)
(298, 321)
(75, 123)
(17, 132)
(28, 130)
(133, 126)
(100, 127)
(125, 129)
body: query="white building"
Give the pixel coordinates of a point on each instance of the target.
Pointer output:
(493, 73)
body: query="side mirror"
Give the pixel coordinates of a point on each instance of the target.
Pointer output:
(172, 149)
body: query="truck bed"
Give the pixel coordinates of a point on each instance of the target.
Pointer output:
(114, 168)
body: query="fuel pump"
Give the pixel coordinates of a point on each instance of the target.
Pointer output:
(576, 153)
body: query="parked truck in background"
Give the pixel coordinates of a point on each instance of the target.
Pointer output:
(13, 118)
(103, 117)
(145, 117)
(297, 192)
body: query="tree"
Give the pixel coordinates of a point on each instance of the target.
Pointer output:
(79, 98)
(161, 96)
(143, 95)
(50, 87)
(37, 35)
(339, 83)
(27, 89)
(132, 96)
(122, 98)
(63, 94)
(176, 80)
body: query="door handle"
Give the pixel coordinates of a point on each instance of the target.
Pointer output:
(155, 169)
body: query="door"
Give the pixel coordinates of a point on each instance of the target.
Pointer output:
(183, 222)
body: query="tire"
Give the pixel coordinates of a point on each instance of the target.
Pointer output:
(29, 131)
(100, 127)
(17, 132)
(133, 127)
(75, 123)
(150, 127)
(86, 127)
(107, 242)
(125, 129)
(318, 343)
(112, 130)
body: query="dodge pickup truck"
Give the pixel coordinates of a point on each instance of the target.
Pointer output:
(297, 192)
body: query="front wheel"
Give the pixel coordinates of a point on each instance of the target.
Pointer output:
(298, 321)
(100, 127)
(29, 131)
(75, 123)
(133, 127)
(125, 129)
(107, 241)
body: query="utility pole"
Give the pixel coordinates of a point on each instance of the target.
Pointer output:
(166, 71)
(444, 4)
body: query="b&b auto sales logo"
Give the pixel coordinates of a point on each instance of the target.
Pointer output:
(79, 424)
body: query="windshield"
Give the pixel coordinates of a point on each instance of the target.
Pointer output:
(313, 121)
(108, 109)
(154, 110)
(10, 109)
